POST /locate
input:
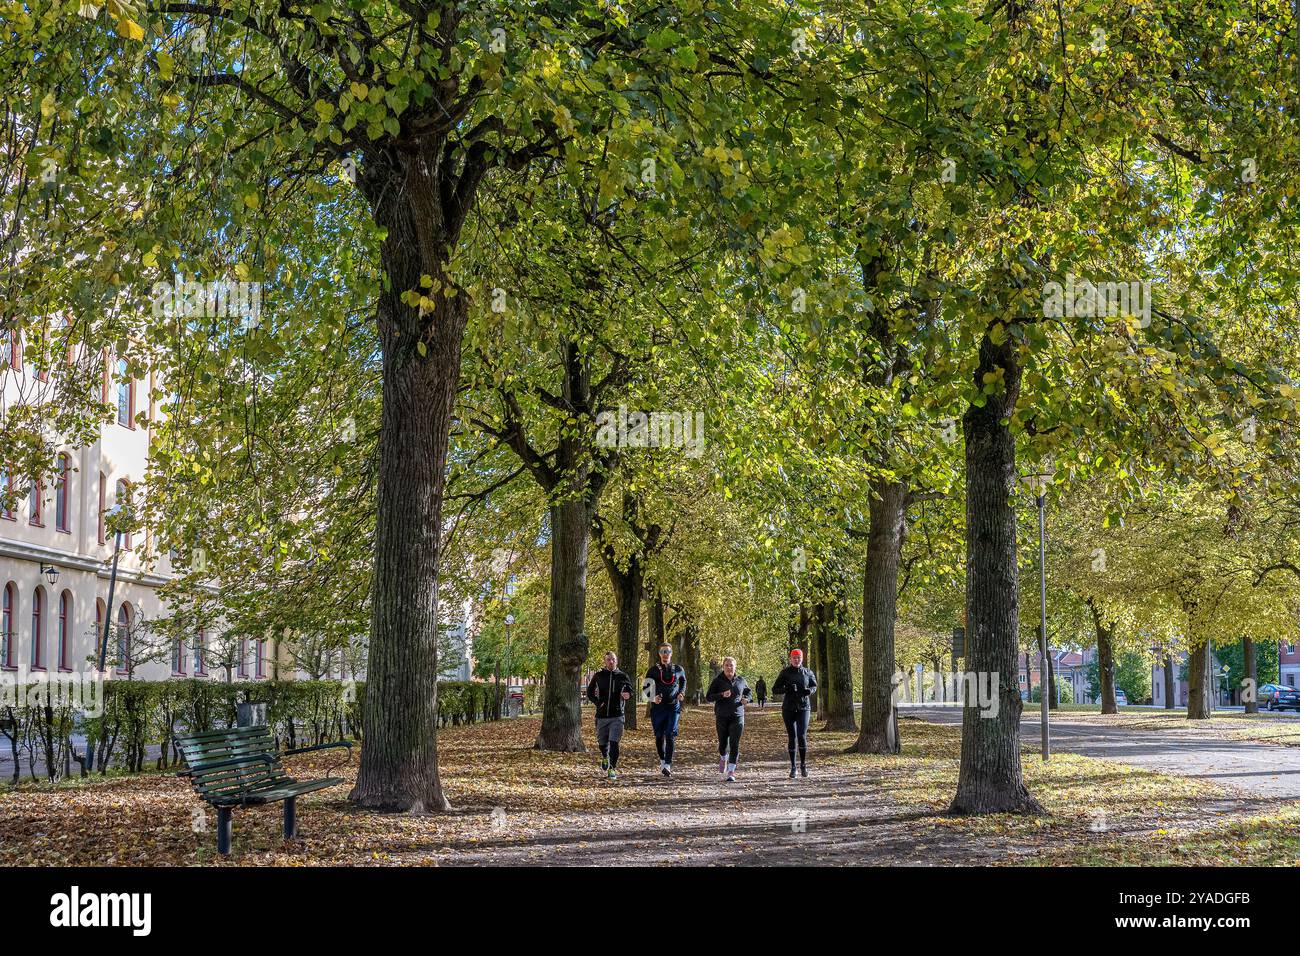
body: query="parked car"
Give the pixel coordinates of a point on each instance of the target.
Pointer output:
(1121, 698)
(1279, 697)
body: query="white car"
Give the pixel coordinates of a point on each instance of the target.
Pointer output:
(1121, 698)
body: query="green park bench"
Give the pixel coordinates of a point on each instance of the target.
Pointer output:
(240, 767)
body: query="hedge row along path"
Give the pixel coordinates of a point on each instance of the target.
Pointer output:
(516, 805)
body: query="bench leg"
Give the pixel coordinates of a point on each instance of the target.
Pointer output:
(291, 818)
(223, 830)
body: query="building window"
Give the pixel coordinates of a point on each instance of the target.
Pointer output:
(64, 468)
(7, 628)
(125, 396)
(6, 491)
(34, 502)
(178, 656)
(259, 648)
(200, 655)
(103, 489)
(38, 633)
(12, 354)
(123, 501)
(124, 639)
(242, 667)
(65, 617)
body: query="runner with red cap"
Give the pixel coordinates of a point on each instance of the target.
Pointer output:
(797, 684)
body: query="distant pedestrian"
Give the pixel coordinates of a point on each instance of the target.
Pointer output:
(760, 691)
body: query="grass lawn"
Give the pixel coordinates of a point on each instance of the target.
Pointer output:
(1272, 840)
(1225, 725)
(517, 805)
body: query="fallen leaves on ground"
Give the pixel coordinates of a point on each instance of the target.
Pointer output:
(516, 805)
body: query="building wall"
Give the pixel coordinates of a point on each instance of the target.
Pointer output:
(76, 550)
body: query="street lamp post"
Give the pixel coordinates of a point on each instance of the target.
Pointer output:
(1039, 481)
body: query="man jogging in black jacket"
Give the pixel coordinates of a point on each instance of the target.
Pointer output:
(798, 684)
(728, 693)
(608, 689)
(667, 690)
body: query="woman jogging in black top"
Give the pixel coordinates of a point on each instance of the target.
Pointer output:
(728, 694)
(798, 684)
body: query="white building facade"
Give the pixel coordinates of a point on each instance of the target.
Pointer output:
(56, 548)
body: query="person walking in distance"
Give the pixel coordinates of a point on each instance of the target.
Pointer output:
(797, 684)
(760, 691)
(729, 693)
(609, 689)
(668, 689)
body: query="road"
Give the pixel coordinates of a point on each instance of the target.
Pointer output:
(1261, 769)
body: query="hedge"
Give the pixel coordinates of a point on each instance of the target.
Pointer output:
(136, 714)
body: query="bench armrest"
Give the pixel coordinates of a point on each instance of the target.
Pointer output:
(304, 750)
(265, 758)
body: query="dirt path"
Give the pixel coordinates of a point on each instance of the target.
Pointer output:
(1260, 769)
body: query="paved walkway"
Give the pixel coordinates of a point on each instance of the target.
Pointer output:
(1261, 769)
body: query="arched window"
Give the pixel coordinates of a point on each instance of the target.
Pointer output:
(123, 502)
(125, 396)
(124, 638)
(61, 489)
(7, 627)
(201, 654)
(65, 621)
(38, 631)
(34, 502)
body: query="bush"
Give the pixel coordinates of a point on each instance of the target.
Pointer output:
(136, 714)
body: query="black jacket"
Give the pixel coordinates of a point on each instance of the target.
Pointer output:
(605, 690)
(733, 706)
(761, 689)
(797, 684)
(668, 683)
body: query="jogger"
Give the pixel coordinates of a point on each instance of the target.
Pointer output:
(797, 684)
(608, 689)
(729, 693)
(666, 695)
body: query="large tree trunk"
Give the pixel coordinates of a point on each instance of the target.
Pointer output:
(820, 613)
(1170, 703)
(878, 733)
(838, 710)
(686, 651)
(1248, 653)
(627, 587)
(1200, 705)
(1105, 659)
(399, 758)
(990, 779)
(567, 645)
